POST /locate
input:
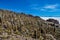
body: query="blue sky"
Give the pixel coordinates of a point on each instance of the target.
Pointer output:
(35, 7)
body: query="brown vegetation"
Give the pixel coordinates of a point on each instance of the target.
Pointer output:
(14, 26)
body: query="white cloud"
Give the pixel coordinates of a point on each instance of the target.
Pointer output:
(57, 18)
(50, 8)
(46, 8)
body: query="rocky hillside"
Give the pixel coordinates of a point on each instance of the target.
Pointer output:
(19, 26)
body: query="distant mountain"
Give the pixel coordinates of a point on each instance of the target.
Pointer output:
(20, 26)
(53, 20)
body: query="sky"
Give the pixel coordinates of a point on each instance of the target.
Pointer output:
(40, 8)
(43, 8)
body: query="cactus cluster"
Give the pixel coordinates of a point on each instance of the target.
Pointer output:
(20, 26)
